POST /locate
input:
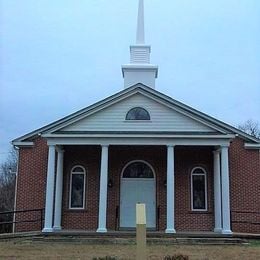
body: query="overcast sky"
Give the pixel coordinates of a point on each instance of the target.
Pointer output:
(60, 56)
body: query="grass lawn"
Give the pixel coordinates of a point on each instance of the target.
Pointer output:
(46, 250)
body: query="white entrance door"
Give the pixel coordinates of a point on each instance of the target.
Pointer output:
(133, 191)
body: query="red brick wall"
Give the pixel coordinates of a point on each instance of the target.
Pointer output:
(244, 187)
(244, 184)
(32, 172)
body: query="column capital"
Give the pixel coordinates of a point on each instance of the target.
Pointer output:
(60, 149)
(104, 145)
(216, 152)
(223, 146)
(170, 145)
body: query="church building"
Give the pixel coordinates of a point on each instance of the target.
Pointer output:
(89, 170)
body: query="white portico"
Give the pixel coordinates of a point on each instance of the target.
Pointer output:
(221, 183)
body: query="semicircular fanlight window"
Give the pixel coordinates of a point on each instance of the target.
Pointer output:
(137, 113)
(138, 170)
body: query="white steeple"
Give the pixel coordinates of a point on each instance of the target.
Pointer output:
(139, 70)
(140, 24)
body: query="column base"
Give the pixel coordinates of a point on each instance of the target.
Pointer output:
(170, 231)
(47, 230)
(218, 230)
(101, 230)
(227, 232)
(56, 228)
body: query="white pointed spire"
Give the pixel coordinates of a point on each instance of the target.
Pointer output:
(140, 70)
(140, 38)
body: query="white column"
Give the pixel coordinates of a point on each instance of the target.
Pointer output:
(225, 191)
(217, 192)
(170, 190)
(58, 194)
(49, 190)
(102, 217)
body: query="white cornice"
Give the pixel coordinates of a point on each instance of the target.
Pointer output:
(144, 136)
(137, 141)
(252, 146)
(23, 144)
(139, 67)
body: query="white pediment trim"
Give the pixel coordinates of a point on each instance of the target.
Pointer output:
(146, 94)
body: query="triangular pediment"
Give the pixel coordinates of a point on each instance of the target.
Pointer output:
(113, 119)
(168, 117)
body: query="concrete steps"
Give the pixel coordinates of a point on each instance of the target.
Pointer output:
(124, 238)
(132, 241)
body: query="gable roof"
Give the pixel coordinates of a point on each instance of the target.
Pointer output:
(149, 92)
(112, 120)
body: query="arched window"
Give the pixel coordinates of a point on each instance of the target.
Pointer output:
(137, 113)
(77, 188)
(138, 169)
(198, 189)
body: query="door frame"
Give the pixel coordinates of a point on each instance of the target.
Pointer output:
(155, 188)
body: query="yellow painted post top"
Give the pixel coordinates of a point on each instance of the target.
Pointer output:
(140, 214)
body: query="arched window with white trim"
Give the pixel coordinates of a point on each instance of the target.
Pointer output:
(77, 187)
(199, 189)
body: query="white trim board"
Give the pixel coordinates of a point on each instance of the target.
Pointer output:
(252, 146)
(138, 141)
(144, 136)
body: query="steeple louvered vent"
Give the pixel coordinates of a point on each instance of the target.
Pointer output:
(140, 54)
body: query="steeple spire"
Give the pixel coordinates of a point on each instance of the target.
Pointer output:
(140, 37)
(139, 70)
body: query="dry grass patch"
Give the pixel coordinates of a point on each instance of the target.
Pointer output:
(22, 250)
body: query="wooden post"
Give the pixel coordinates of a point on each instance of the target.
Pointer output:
(140, 232)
